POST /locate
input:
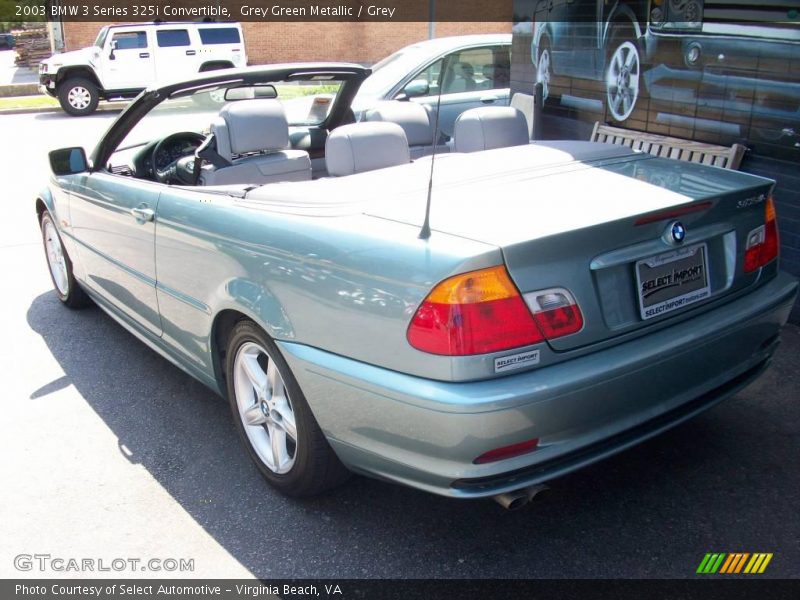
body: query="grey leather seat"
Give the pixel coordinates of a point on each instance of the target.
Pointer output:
(417, 123)
(365, 146)
(253, 135)
(488, 127)
(463, 79)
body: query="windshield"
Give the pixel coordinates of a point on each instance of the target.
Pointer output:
(306, 103)
(101, 37)
(392, 69)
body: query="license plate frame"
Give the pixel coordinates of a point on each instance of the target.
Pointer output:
(672, 280)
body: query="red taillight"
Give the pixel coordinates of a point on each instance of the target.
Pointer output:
(473, 313)
(762, 242)
(507, 451)
(482, 311)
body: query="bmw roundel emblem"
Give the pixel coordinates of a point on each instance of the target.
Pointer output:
(676, 232)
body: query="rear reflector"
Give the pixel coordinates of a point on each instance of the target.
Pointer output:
(762, 242)
(473, 313)
(507, 451)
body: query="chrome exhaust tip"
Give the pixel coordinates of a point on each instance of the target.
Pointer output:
(516, 499)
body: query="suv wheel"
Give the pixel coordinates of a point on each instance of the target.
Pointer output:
(78, 96)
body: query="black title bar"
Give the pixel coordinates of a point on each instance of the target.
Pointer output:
(115, 11)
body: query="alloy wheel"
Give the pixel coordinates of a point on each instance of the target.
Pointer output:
(55, 258)
(543, 72)
(622, 80)
(265, 408)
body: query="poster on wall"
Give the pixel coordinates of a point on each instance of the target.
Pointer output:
(710, 70)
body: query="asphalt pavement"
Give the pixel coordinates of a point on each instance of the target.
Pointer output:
(111, 452)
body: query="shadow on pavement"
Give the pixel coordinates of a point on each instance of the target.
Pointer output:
(721, 482)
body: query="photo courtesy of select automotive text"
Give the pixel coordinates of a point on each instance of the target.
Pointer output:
(400, 299)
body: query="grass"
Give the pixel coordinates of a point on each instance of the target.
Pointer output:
(40, 101)
(285, 92)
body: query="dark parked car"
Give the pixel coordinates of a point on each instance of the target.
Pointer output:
(7, 40)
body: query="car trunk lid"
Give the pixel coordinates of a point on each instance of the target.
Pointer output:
(597, 220)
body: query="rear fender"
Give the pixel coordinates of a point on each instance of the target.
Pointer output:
(258, 303)
(249, 300)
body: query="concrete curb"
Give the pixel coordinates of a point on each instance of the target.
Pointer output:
(22, 111)
(111, 106)
(19, 89)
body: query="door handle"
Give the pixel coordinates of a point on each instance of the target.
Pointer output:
(143, 214)
(144, 55)
(489, 99)
(191, 52)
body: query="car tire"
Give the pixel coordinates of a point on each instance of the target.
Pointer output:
(623, 76)
(78, 96)
(544, 69)
(67, 288)
(273, 419)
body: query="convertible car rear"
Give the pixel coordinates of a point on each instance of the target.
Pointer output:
(572, 298)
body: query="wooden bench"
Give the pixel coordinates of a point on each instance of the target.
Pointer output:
(728, 157)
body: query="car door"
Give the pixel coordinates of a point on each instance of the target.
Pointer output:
(175, 56)
(113, 223)
(127, 61)
(473, 77)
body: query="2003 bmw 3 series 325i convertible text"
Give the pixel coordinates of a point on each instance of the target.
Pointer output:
(572, 299)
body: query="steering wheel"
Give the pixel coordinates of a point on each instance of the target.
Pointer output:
(178, 170)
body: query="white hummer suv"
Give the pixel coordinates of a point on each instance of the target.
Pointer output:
(125, 59)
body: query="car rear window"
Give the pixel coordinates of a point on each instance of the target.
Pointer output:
(172, 37)
(220, 35)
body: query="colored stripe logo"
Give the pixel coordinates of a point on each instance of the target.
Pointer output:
(734, 563)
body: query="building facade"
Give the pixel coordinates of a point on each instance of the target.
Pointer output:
(363, 42)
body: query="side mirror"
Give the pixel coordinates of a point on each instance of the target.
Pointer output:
(68, 161)
(113, 47)
(418, 87)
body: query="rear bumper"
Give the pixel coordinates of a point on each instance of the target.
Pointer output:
(426, 433)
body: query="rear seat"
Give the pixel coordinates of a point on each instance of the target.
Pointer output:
(488, 127)
(366, 146)
(415, 120)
